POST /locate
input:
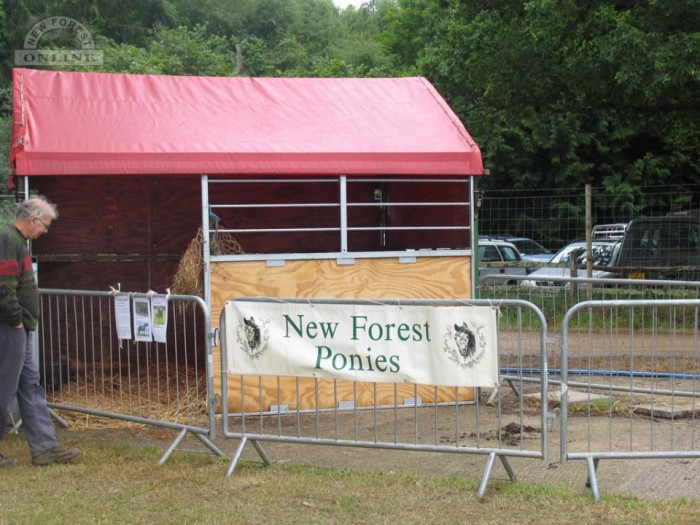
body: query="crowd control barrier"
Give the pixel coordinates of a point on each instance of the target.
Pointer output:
(637, 379)
(284, 379)
(142, 358)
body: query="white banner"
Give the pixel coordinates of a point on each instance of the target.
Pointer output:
(435, 345)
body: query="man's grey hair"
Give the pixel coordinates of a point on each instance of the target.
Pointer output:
(38, 207)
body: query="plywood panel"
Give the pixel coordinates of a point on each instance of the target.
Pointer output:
(386, 278)
(262, 393)
(427, 278)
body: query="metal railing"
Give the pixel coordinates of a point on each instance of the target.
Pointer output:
(637, 383)
(408, 421)
(627, 375)
(87, 369)
(351, 214)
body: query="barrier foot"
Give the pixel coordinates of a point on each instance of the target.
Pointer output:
(494, 395)
(592, 481)
(58, 418)
(266, 459)
(205, 441)
(487, 473)
(236, 456)
(509, 469)
(513, 387)
(15, 424)
(211, 446)
(239, 450)
(172, 447)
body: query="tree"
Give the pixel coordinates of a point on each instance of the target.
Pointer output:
(173, 51)
(559, 94)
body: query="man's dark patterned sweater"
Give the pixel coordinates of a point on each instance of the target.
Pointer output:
(19, 295)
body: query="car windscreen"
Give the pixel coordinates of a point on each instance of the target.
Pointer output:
(602, 255)
(509, 254)
(529, 247)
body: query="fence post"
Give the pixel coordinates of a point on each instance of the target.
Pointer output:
(573, 273)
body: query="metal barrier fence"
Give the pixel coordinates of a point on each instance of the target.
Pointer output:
(556, 300)
(637, 384)
(628, 373)
(421, 421)
(86, 368)
(627, 364)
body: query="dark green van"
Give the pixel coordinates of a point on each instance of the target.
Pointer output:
(661, 248)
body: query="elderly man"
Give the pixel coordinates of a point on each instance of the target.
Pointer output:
(19, 316)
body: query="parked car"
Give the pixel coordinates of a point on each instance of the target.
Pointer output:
(499, 257)
(530, 250)
(604, 251)
(661, 248)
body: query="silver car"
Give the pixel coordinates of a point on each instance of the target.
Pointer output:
(530, 250)
(604, 252)
(498, 257)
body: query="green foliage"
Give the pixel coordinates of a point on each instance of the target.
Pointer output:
(179, 51)
(404, 27)
(173, 51)
(557, 93)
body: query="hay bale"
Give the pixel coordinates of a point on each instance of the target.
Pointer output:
(189, 277)
(167, 393)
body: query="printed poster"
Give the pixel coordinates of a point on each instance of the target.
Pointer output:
(122, 315)
(142, 319)
(159, 310)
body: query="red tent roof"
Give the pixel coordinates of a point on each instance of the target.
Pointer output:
(117, 124)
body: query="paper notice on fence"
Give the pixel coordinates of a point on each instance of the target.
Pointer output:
(122, 315)
(159, 312)
(445, 346)
(142, 319)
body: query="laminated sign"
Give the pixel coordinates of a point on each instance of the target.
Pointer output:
(445, 346)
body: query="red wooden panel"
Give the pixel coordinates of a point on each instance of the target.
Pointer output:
(131, 231)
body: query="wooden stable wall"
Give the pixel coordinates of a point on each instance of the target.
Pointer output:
(128, 231)
(380, 278)
(133, 231)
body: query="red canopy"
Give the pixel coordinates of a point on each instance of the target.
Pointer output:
(117, 124)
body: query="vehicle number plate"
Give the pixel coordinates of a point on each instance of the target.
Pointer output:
(636, 275)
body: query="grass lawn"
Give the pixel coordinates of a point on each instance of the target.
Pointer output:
(122, 484)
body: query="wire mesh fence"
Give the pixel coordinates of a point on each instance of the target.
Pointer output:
(557, 217)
